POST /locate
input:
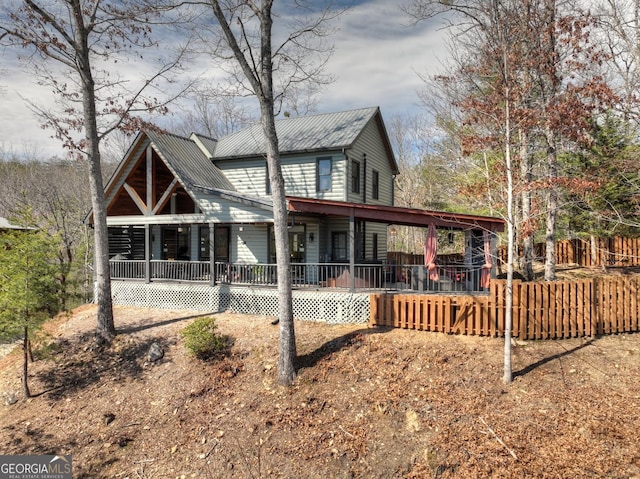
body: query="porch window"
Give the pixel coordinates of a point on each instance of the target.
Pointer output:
(323, 174)
(355, 176)
(176, 243)
(297, 244)
(339, 246)
(222, 244)
(126, 242)
(375, 187)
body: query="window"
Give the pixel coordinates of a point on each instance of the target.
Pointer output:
(323, 174)
(376, 185)
(221, 244)
(339, 246)
(355, 176)
(267, 181)
(374, 240)
(176, 242)
(297, 236)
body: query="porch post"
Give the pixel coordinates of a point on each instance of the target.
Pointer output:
(147, 253)
(352, 251)
(212, 254)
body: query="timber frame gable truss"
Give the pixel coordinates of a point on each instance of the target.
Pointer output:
(151, 180)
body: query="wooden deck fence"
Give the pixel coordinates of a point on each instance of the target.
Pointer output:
(541, 310)
(616, 251)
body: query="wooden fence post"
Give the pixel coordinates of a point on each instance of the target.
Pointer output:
(594, 317)
(373, 310)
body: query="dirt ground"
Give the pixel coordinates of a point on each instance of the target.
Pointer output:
(367, 403)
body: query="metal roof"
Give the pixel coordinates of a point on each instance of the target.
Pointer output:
(207, 144)
(188, 161)
(328, 131)
(394, 214)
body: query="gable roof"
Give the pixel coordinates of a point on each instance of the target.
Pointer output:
(327, 131)
(188, 162)
(191, 160)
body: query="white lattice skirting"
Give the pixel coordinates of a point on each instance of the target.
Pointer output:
(334, 307)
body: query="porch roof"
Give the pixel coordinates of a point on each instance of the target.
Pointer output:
(394, 214)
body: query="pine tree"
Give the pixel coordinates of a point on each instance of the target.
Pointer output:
(28, 292)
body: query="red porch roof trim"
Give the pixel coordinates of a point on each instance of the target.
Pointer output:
(394, 214)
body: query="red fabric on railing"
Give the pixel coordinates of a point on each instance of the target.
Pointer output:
(485, 278)
(430, 251)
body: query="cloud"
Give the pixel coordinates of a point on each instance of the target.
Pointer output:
(376, 60)
(377, 56)
(20, 130)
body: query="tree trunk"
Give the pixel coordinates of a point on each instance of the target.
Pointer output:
(508, 373)
(287, 343)
(525, 198)
(260, 75)
(552, 210)
(25, 363)
(554, 84)
(105, 327)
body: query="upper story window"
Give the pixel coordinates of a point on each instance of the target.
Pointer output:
(355, 176)
(323, 174)
(267, 180)
(374, 241)
(375, 187)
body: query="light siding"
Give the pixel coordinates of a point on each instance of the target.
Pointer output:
(313, 247)
(220, 210)
(370, 143)
(249, 246)
(381, 230)
(249, 176)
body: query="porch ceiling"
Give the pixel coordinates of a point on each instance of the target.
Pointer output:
(395, 215)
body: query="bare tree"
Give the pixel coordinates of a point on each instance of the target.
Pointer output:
(426, 179)
(72, 44)
(619, 22)
(214, 115)
(524, 68)
(557, 90)
(269, 72)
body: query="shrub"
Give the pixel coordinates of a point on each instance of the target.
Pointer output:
(203, 339)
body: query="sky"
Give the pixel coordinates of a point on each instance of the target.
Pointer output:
(377, 61)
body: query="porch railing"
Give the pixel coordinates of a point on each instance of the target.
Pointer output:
(309, 275)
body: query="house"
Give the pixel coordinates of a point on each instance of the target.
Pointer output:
(6, 225)
(199, 209)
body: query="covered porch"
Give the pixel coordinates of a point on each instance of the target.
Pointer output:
(333, 245)
(384, 274)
